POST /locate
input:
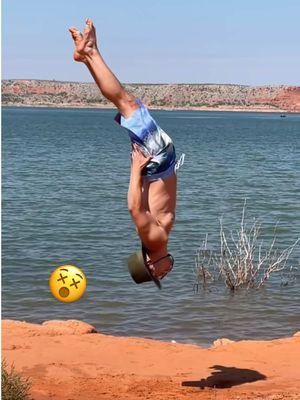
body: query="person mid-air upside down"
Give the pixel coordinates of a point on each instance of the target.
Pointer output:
(152, 188)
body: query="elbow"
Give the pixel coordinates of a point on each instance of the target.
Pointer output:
(132, 208)
(134, 211)
(133, 204)
(130, 202)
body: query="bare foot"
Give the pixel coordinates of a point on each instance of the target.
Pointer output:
(86, 42)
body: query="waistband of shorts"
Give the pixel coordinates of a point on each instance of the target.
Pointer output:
(174, 167)
(160, 175)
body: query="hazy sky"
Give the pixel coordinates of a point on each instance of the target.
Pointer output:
(218, 41)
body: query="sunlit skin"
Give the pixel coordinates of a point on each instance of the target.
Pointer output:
(151, 205)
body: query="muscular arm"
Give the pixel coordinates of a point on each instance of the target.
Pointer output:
(135, 199)
(151, 233)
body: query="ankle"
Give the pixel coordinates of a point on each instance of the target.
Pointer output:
(92, 54)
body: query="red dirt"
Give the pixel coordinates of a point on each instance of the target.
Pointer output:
(67, 360)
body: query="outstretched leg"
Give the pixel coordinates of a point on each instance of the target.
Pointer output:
(86, 51)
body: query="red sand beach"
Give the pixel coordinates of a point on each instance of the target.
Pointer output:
(68, 360)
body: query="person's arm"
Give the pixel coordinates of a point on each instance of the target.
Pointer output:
(86, 51)
(151, 234)
(135, 201)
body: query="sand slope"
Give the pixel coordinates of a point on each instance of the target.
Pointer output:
(67, 360)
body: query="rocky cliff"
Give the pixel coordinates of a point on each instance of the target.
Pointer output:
(171, 96)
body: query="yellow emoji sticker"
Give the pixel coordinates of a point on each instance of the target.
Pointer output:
(67, 283)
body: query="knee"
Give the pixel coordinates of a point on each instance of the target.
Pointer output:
(127, 98)
(127, 104)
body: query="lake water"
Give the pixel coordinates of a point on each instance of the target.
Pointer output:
(65, 178)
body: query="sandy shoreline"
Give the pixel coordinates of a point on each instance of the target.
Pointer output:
(109, 107)
(68, 360)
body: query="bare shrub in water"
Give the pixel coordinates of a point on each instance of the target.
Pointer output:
(14, 386)
(243, 260)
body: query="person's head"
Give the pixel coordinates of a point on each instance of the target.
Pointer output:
(159, 263)
(145, 266)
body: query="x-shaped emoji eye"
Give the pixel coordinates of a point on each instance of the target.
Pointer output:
(62, 278)
(74, 283)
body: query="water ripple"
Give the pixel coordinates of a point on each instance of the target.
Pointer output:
(65, 177)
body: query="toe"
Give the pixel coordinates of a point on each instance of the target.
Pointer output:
(76, 34)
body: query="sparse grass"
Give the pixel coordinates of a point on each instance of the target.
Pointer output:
(243, 259)
(14, 386)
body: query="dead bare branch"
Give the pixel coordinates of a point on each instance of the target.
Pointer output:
(244, 260)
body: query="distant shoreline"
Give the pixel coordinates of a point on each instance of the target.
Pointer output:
(109, 107)
(169, 97)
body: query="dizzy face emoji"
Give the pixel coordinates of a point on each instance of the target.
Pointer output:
(67, 283)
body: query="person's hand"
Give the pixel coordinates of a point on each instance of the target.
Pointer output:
(86, 42)
(138, 159)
